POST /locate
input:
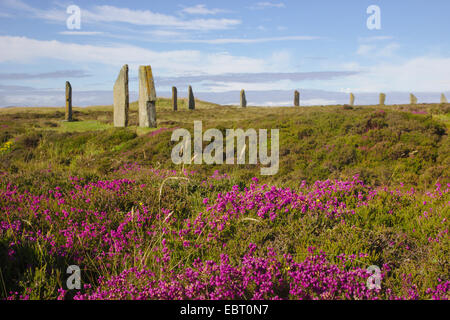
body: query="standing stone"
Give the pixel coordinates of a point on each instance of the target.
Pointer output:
(121, 98)
(68, 116)
(382, 99)
(174, 99)
(296, 98)
(147, 98)
(243, 99)
(443, 98)
(191, 99)
(412, 99)
(352, 99)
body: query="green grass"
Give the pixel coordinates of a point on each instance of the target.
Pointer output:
(82, 126)
(444, 118)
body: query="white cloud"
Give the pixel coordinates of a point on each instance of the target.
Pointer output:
(163, 33)
(428, 73)
(16, 4)
(283, 59)
(107, 13)
(375, 38)
(81, 33)
(175, 36)
(389, 50)
(374, 51)
(267, 4)
(201, 9)
(49, 15)
(250, 40)
(237, 86)
(177, 62)
(364, 49)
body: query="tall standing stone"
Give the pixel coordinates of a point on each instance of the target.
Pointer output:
(147, 98)
(296, 98)
(191, 99)
(412, 99)
(68, 116)
(174, 99)
(121, 98)
(243, 99)
(443, 98)
(382, 99)
(352, 99)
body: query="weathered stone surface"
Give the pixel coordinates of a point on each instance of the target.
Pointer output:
(174, 99)
(243, 99)
(151, 109)
(147, 98)
(68, 116)
(443, 98)
(121, 98)
(412, 99)
(382, 99)
(191, 99)
(352, 99)
(296, 98)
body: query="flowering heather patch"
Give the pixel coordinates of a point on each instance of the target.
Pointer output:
(144, 236)
(255, 278)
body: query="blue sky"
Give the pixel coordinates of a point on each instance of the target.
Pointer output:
(269, 48)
